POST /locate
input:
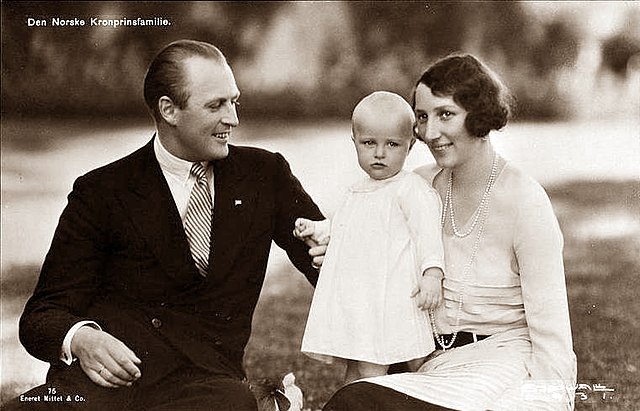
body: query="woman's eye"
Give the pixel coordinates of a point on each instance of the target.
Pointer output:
(446, 114)
(422, 118)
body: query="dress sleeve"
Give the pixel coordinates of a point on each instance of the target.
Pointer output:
(538, 248)
(422, 208)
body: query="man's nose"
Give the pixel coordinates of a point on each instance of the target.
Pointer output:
(231, 116)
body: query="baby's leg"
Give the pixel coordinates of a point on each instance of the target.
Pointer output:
(363, 369)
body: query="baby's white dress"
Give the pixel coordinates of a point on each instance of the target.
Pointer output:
(385, 234)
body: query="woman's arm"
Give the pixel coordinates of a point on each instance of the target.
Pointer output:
(538, 248)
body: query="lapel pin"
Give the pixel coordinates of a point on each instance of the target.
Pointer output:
(237, 203)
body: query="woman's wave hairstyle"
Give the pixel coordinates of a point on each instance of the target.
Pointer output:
(473, 87)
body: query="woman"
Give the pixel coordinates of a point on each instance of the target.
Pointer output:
(503, 334)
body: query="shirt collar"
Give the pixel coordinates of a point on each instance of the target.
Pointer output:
(171, 164)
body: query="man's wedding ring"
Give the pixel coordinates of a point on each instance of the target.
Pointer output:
(316, 266)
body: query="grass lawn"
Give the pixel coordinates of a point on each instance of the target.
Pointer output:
(601, 224)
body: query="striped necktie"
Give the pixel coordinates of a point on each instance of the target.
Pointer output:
(197, 222)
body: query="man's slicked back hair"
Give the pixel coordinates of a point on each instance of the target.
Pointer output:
(165, 76)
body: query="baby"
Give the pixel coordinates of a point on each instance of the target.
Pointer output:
(383, 265)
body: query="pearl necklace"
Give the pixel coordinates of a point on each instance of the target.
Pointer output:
(483, 210)
(484, 202)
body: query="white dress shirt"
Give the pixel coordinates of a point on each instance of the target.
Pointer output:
(177, 172)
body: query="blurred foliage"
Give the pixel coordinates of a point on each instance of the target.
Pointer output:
(292, 59)
(618, 52)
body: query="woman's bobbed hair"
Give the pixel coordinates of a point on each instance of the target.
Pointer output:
(474, 87)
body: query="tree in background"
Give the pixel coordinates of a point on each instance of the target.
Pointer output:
(296, 59)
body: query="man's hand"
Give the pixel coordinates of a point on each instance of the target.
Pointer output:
(106, 360)
(318, 252)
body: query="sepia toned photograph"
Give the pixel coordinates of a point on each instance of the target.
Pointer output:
(320, 205)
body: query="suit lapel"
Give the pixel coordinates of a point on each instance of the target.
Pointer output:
(154, 214)
(235, 201)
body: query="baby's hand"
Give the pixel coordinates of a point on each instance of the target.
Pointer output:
(429, 289)
(304, 228)
(313, 233)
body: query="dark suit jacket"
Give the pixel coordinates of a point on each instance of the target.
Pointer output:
(120, 257)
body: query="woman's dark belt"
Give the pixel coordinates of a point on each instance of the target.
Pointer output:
(463, 338)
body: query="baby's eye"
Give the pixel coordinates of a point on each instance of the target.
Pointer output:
(393, 144)
(367, 142)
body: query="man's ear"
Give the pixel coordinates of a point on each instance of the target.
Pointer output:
(168, 110)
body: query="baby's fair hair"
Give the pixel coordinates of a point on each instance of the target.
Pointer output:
(384, 106)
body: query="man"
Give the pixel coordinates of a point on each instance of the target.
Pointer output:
(146, 296)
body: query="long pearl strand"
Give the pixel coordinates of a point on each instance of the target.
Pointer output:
(484, 201)
(483, 210)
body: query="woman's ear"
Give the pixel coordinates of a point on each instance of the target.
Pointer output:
(168, 110)
(413, 141)
(416, 132)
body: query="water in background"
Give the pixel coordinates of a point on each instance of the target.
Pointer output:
(41, 161)
(37, 177)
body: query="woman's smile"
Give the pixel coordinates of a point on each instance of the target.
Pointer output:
(439, 146)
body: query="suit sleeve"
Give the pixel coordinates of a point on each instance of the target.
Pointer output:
(70, 277)
(292, 201)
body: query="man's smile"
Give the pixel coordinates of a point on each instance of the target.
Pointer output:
(222, 136)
